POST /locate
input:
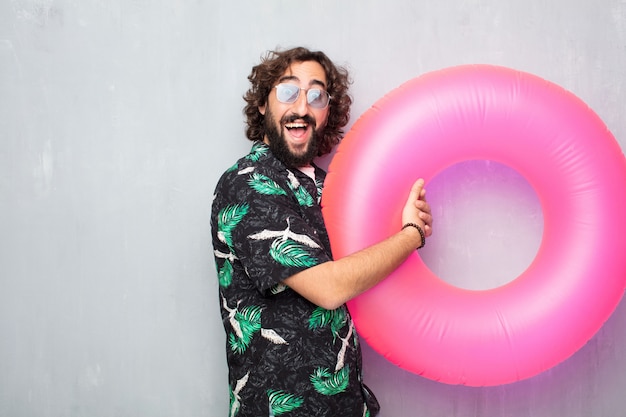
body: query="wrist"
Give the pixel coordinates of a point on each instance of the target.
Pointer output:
(420, 230)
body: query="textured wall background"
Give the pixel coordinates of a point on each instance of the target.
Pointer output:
(116, 119)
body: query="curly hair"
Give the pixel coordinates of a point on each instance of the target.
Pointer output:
(273, 65)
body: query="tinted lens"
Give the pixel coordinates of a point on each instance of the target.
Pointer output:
(317, 98)
(287, 93)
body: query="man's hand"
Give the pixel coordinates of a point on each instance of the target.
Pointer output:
(417, 210)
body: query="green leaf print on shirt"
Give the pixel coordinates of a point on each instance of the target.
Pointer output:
(225, 274)
(282, 402)
(265, 185)
(302, 195)
(228, 218)
(321, 317)
(290, 253)
(248, 322)
(327, 383)
(257, 151)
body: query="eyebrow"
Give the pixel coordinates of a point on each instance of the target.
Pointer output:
(294, 78)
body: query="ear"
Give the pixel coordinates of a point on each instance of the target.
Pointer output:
(262, 109)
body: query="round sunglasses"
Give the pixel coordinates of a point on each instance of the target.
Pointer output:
(315, 97)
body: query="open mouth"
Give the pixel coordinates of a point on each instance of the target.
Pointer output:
(297, 129)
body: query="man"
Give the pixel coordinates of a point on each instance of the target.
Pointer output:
(291, 345)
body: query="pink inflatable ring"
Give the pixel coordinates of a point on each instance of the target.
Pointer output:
(565, 152)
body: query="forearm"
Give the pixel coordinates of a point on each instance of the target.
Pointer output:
(331, 284)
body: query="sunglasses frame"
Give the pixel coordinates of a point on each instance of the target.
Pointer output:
(306, 90)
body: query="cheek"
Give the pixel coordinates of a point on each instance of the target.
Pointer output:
(321, 118)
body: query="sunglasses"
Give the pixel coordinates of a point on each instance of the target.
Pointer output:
(315, 97)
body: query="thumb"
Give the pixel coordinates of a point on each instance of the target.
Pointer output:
(416, 190)
(410, 214)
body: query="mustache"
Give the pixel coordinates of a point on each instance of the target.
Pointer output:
(306, 118)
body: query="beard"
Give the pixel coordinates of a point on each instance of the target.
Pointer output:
(278, 144)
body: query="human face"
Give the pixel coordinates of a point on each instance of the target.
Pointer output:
(292, 128)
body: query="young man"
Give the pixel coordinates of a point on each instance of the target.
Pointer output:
(291, 345)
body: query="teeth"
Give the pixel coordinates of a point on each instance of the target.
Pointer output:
(295, 125)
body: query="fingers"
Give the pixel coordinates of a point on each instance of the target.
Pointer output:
(427, 218)
(425, 215)
(416, 205)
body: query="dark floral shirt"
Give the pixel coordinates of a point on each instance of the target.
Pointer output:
(286, 356)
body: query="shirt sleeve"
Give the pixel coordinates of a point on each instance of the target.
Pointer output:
(275, 239)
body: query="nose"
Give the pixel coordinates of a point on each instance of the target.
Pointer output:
(301, 106)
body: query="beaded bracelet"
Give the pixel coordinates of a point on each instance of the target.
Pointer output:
(419, 229)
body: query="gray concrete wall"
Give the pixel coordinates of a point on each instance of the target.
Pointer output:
(116, 119)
